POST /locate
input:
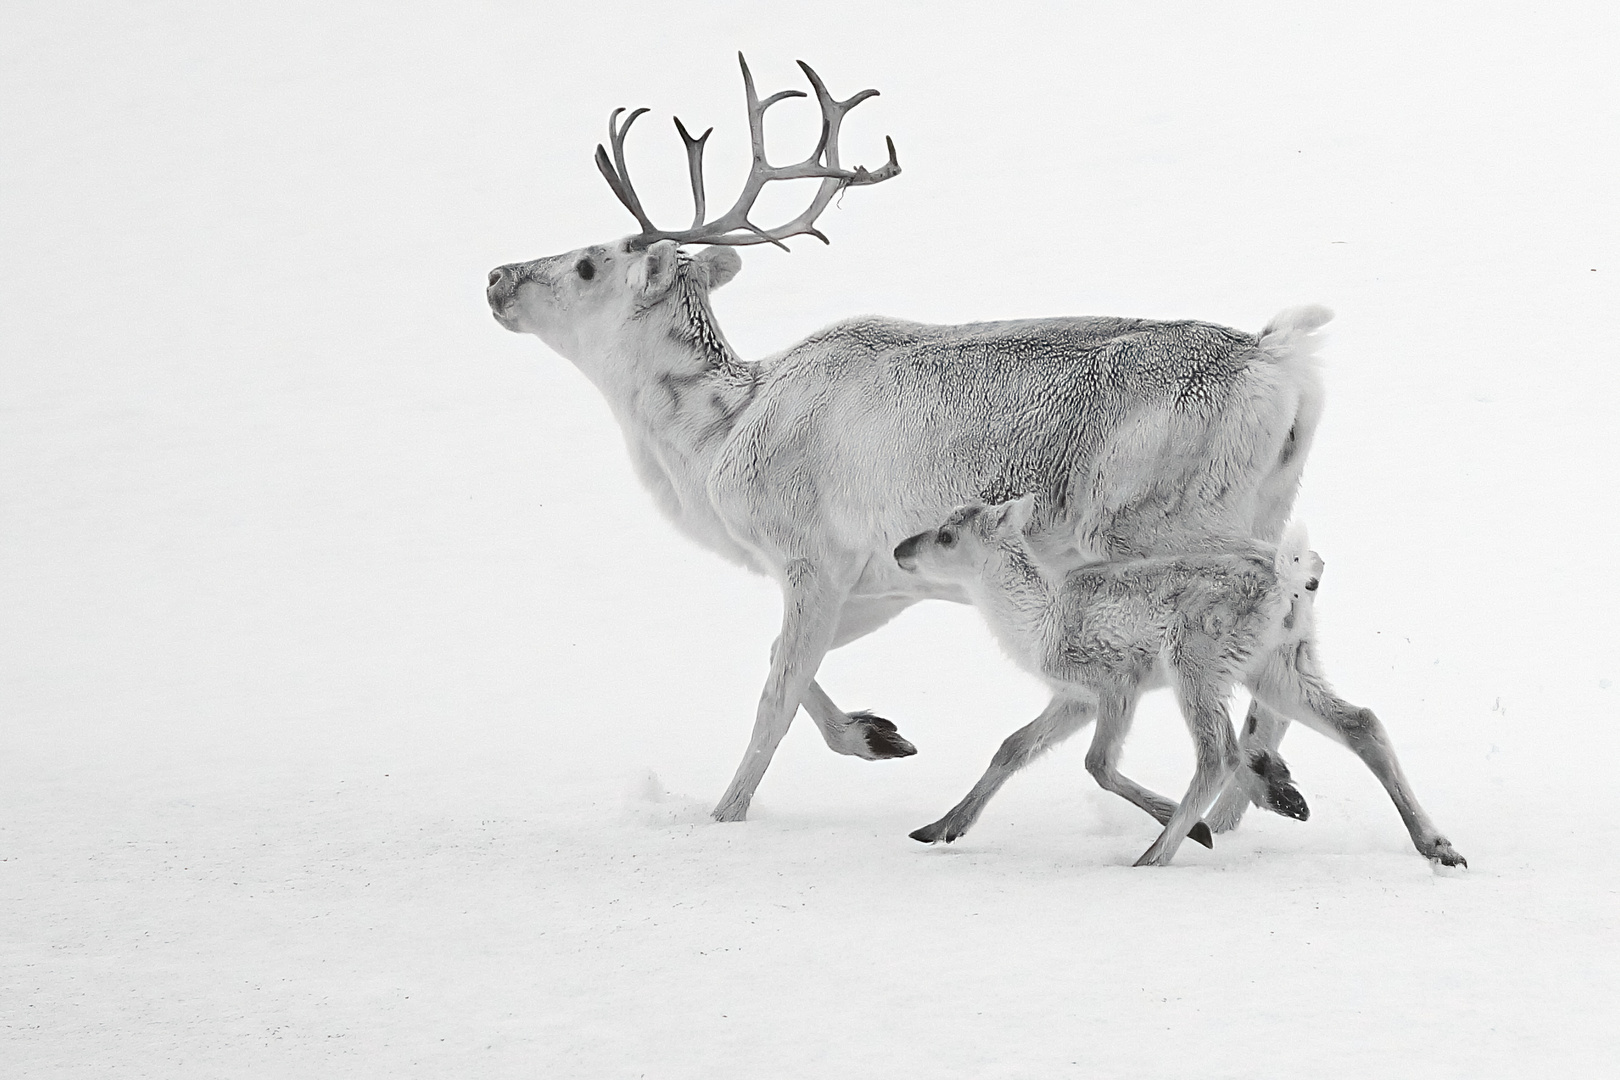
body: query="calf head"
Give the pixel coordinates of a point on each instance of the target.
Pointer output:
(966, 545)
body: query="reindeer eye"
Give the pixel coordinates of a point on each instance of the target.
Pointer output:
(584, 269)
(946, 538)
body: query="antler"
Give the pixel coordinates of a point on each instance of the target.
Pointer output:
(733, 227)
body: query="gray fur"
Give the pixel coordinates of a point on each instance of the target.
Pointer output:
(809, 465)
(1101, 635)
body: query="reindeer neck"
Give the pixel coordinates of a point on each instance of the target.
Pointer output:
(1018, 600)
(684, 387)
(678, 391)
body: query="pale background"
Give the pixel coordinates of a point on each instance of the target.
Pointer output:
(340, 648)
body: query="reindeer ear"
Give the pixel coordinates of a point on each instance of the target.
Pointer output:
(719, 264)
(655, 273)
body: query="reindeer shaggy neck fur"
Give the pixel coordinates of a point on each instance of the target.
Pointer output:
(690, 390)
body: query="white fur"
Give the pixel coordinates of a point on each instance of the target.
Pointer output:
(1136, 437)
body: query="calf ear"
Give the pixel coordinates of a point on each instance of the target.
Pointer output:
(1018, 513)
(719, 265)
(655, 273)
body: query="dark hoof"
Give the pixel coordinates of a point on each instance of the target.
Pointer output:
(1200, 833)
(872, 719)
(1446, 855)
(1282, 797)
(882, 740)
(1286, 800)
(931, 834)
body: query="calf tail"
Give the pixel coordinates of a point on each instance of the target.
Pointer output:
(1298, 567)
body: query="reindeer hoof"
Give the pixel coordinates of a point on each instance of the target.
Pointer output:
(882, 740)
(1200, 833)
(872, 719)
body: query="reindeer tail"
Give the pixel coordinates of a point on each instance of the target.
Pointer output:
(1292, 331)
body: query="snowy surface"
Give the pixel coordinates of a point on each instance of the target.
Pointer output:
(359, 717)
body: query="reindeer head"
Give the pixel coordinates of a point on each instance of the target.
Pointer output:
(582, 303)
(968, 542)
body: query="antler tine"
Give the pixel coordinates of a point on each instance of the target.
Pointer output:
(878, 175)
(616, 174)
(756, 111)
(733, 226)
(833, 112)
(694, 165)
(823, 162)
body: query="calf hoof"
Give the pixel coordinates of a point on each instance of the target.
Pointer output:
(1281, 796)
(939, 831)
(882, 740)
(1200, 833)
(1286, 800)
(1443, 854)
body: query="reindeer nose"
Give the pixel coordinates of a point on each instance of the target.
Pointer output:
(502, 287)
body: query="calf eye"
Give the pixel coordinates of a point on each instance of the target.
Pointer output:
(946, 538)
(584, 269)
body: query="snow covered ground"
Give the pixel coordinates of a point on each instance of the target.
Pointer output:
(359, 717)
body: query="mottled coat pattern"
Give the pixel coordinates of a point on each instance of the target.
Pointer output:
(1101, 635)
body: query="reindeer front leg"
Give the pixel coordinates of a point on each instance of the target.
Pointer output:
(861, 734)
(811, 599)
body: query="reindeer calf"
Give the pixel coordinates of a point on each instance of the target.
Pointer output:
(1106, 633)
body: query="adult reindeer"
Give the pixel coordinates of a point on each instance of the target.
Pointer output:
(1138, 437)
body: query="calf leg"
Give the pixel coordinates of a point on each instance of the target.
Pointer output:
(1216, 754)
(1102, 762)
(1060, 719)
(1262, 778)
(1290, 683)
